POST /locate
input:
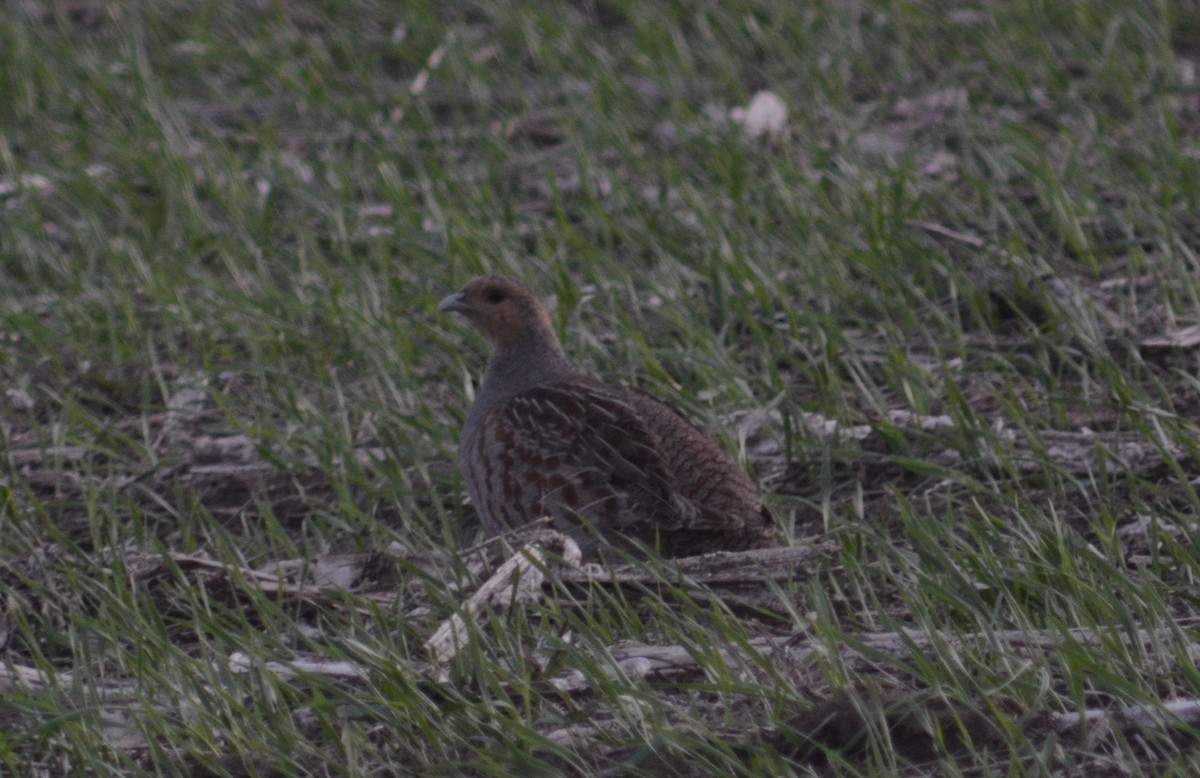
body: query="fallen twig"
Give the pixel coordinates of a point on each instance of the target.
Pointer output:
(517, 580)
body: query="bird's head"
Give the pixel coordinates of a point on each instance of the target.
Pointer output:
(503, 309)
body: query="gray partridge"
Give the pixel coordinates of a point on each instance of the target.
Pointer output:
(609, 464)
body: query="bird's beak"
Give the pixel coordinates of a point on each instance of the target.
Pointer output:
(454, 304)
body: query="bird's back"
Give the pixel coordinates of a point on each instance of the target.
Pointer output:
(730, 514)
(609, 462)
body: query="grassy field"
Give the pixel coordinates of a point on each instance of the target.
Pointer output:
(954, 293)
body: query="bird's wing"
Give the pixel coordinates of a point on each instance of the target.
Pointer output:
(583, 431)
(702, 468)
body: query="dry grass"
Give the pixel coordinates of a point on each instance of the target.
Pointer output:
(972, 252)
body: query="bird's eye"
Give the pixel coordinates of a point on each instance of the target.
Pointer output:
(495, 295)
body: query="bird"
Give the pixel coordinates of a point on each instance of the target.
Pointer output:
(613, 467)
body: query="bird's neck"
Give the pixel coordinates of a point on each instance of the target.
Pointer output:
(523, 364)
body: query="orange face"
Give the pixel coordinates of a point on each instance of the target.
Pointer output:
(503, 309)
